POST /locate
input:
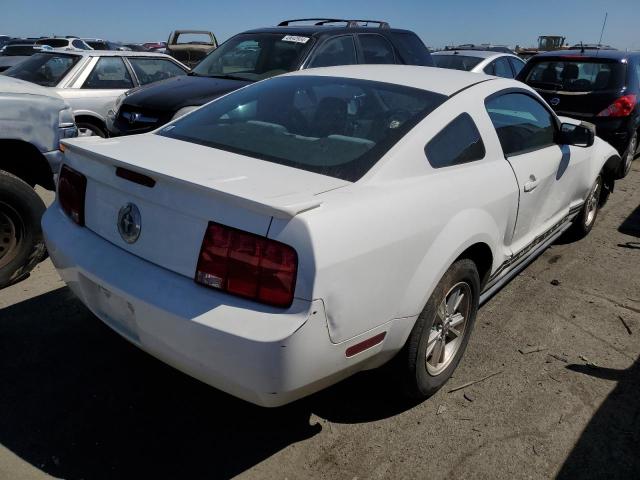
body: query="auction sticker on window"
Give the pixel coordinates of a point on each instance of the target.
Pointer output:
(295, 38)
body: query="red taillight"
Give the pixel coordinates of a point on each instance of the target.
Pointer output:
(72, 186)
(622, 107)
(247, 265)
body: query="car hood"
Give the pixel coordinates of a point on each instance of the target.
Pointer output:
(177, 92)
(15, 86)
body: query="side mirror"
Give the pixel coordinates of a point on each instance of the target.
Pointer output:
(582, 135)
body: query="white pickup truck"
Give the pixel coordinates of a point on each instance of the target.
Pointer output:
(33, 120)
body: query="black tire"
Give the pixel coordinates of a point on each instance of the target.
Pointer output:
(94, 130)
(21, 242)
(421, 376)
(586, 219)
(628, 156)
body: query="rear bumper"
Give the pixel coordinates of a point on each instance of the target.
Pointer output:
(264, 355)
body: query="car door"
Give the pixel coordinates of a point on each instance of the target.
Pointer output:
(526, 130)
(96, 89)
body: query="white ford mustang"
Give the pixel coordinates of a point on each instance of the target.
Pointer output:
(315, 224)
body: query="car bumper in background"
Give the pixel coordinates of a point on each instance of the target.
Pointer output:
(261, 354)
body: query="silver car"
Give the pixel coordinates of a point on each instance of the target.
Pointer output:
(479, 61)
(91, 81)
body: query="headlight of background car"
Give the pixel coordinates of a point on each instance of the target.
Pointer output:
(116, 106)
(183, 111)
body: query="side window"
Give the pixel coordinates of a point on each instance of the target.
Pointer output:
(376, 49)
(412, 49)
(109, 73)
(522, 123)
(457, 143)
(335, 51)
(79, 44)
(516, 64)
(490, 69)
(501, 68)
(150, 70)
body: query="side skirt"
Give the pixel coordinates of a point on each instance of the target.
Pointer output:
(494, 286)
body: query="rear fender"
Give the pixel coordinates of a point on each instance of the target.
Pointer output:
(453, 240)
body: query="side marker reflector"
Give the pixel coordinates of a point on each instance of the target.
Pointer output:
(368, 343)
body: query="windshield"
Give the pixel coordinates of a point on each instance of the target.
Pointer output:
(456, 62)
(18, 50)
(579, 75)
(44, 68)
(254, 56)
(333, 126)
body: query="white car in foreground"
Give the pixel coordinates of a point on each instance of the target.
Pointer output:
(309, 226)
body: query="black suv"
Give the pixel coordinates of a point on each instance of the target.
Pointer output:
(258, 54)
(598, 86)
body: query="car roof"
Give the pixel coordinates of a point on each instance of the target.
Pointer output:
(317, 30)
(438, 80)
(105, 53)
(473, 53)
(608, 54)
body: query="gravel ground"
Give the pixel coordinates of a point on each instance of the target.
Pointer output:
(77, 401)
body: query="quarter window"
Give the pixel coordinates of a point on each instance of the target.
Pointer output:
(500, 68)
(376, 49)
(522, 123)
(109, 73)
(457, 143)
(150, 70)
(516, 64)
(336, 51)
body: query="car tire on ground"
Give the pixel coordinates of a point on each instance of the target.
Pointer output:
(586, 219)
(441, 333)
(86, 129)
(21, 241)
(628, 156)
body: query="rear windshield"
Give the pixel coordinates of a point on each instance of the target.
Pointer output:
(456, 62)
(577, 75)
(332, 126)
(45, 69)
(254, 56)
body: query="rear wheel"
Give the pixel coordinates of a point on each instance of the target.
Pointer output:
(441, 333)
(628, 156)
(21, 241)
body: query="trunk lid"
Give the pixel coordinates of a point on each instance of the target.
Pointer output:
(193, 186)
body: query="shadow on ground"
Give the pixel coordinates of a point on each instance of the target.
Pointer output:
(609, 447)
(631, 225)
(77, 401)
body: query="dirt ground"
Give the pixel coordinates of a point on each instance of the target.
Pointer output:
(77, 401)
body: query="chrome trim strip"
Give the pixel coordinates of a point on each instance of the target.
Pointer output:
(491, 291)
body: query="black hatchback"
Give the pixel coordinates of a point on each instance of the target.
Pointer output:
(262, 53)
(597, 86)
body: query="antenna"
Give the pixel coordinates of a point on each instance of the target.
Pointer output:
(604, 24)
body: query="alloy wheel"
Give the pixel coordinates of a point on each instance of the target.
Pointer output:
(448, 328)
(593, 201)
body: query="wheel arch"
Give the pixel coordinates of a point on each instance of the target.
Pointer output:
(25, 161)
(93, 119)
(454, 242)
